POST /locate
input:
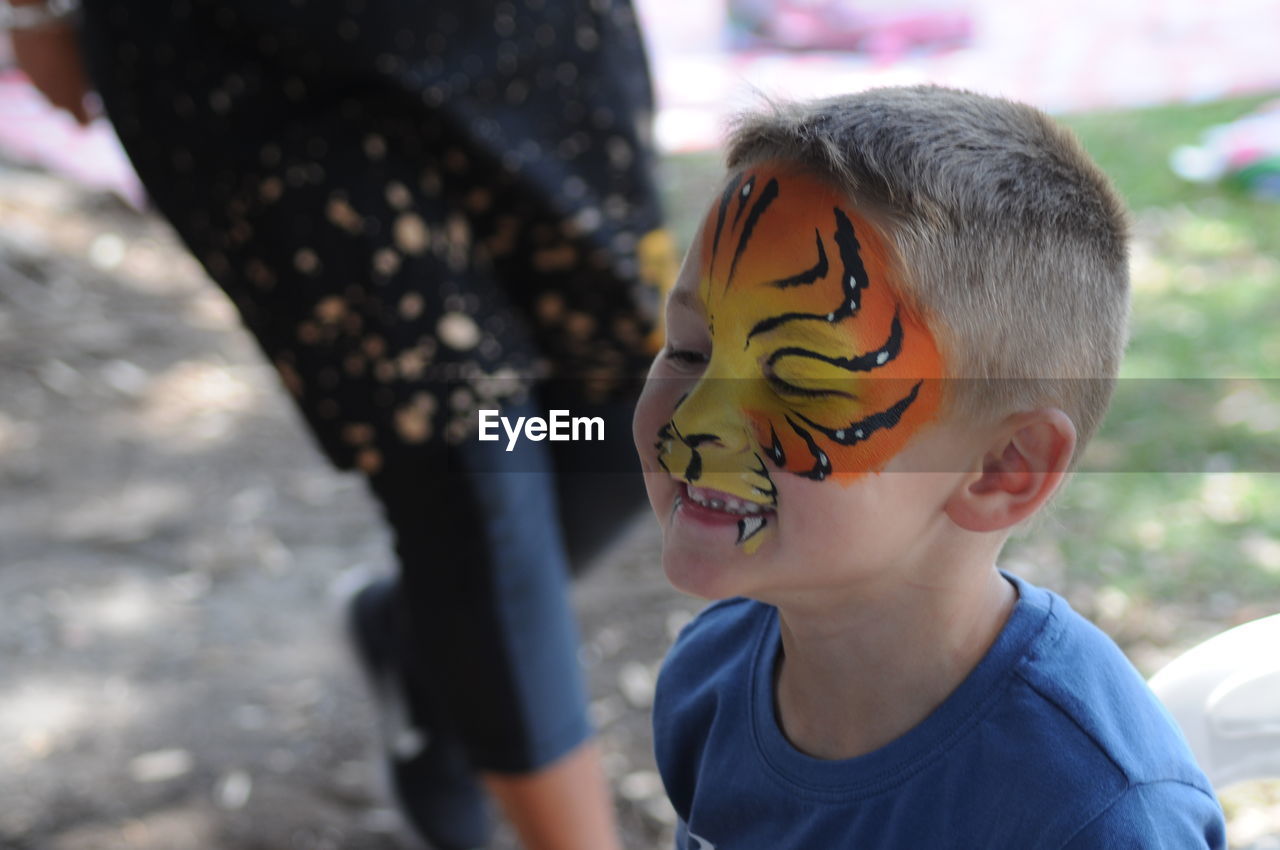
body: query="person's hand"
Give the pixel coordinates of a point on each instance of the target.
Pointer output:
(50, 57)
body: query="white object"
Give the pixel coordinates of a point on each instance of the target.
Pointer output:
(1225, 695)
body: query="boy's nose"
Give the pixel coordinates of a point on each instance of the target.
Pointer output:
(713, 424)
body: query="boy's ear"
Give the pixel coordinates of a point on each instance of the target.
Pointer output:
(1020, 471)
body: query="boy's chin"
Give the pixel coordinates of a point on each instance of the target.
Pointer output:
(705, 574)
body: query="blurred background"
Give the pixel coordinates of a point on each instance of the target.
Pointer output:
(171, 670)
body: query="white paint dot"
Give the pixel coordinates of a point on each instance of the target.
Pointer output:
(881, 358)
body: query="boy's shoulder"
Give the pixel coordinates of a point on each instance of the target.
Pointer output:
(1085, 686)
(702, 691)
(1080, 710)
(722, 620)
(716, 647)
(1055, 716)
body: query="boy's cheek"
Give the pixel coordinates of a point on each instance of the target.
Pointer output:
(653, 410)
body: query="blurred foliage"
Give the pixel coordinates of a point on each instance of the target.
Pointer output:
(1194, 518)
(689, 183)
(1133, 146)
(1200, 387)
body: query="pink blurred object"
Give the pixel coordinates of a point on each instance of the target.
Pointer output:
(1244, 153)
(33, 133)
(884, 33)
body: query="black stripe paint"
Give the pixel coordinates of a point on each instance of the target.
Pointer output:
(811, 275)
(762, 203)
(883, 420)
(724, 208)
(861, 363)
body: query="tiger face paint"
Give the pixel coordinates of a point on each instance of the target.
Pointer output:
(814, 366)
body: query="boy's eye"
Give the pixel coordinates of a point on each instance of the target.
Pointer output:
(783, 388)
(789, 389)
(685, 355)
(796, 374)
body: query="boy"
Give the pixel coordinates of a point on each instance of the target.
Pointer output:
(871, 679)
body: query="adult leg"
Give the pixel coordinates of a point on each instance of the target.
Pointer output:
(486, 610)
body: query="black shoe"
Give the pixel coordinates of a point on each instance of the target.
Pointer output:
(434, 783)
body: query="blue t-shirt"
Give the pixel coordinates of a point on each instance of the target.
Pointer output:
(1052, 741)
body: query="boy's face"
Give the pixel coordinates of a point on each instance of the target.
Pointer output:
(792, 370)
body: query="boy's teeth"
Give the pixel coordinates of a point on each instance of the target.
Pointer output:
(728, 505)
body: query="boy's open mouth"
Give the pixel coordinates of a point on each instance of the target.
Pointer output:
(716, 506)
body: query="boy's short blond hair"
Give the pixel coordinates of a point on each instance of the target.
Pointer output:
(1012, 242)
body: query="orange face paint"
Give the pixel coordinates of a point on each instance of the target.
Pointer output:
(814, 354)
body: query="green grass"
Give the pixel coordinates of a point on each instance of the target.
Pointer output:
(1133, 145)
(1197, 413)
(1206, 307)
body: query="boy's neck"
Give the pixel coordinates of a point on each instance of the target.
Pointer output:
(855, 676)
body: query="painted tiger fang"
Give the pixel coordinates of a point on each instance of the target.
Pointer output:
(772, 493)
(748, 527)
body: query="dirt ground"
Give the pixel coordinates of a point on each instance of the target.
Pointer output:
(172, 672)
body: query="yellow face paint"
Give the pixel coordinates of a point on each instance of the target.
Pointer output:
(817, 367)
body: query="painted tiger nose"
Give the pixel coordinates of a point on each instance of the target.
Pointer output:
(713, 407)
(710, 427)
